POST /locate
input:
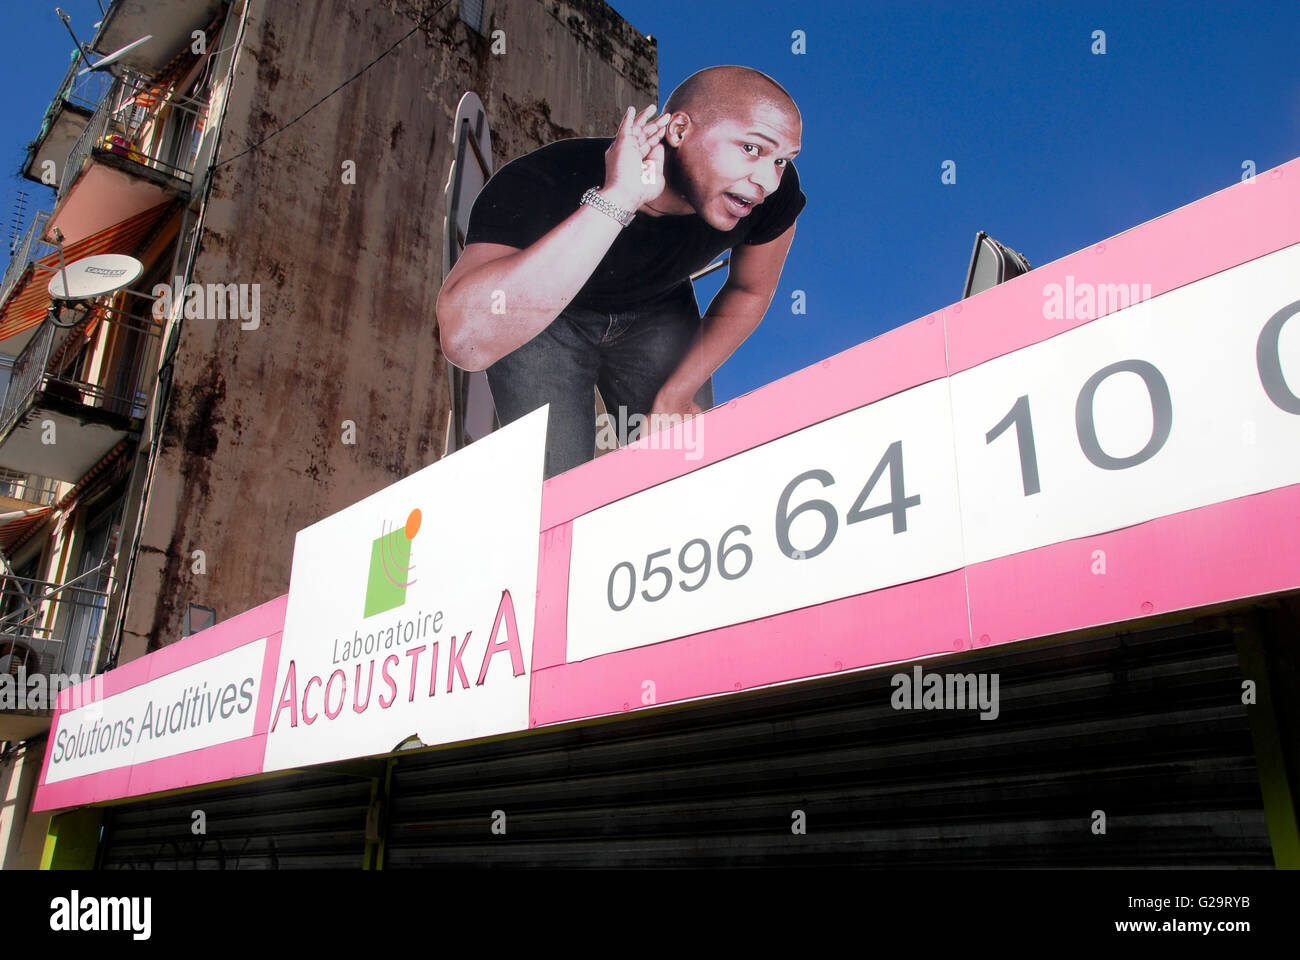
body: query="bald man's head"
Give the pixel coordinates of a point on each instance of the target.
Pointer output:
(730, 136)
(729, 92)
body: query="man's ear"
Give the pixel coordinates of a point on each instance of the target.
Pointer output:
(678, 128)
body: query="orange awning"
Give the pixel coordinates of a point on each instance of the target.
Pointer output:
(13, 525)
(30, 300)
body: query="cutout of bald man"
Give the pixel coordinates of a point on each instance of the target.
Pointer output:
(577, 261)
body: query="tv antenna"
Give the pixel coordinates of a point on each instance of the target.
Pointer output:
(16, 220)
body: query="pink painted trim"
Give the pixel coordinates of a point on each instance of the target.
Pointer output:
(892, 362)
(1223, 230)
(107, 684)
(551, 628)
(89, 789)
(1152, 568)
(913, 620)
(226, 761)
(266, 703)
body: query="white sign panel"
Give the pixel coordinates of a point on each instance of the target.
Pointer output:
(1163, 407)
(203, 705)
(1181, 401)
(411, 612)
(862, 501)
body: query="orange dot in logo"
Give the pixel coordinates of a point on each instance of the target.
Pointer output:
(413, 524)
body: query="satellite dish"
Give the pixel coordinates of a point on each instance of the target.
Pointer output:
(115, 56)
(992, 263)
(94, 276)
(84, 49)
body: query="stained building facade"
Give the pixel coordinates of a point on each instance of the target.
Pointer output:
(159, 451)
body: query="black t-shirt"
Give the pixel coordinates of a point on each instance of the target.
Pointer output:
(651, 258)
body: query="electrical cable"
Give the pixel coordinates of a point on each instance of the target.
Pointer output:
(419, 26)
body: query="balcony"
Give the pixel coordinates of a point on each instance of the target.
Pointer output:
(137, 152)
(65, 120)
(169, 22)
(31, 247)
(143, 128)
(71, 400)
(24, 491)
(49, 628)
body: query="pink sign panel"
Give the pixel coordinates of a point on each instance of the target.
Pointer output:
(1123, 440)
(1109, 437)
(193, 712)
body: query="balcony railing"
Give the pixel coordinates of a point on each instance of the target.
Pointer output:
(70, 644)
(28, 488)
(85, 90)
(144, 124)
(30, 248)
(120, 392)
(28, 370)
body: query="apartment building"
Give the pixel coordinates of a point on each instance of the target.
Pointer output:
(159, 450)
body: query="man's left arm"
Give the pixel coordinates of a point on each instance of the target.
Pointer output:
(735, 312)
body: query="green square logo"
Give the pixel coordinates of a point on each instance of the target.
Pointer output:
(390, 567)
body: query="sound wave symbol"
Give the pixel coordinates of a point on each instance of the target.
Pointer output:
(391, 567)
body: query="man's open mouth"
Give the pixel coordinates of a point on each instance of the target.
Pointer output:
(738, 204)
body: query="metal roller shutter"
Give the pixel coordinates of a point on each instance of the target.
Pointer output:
(295, 821)
(1147, 726)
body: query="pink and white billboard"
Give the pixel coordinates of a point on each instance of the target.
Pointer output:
(1112, 436)
(409, 616)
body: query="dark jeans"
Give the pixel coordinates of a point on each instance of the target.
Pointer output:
(628, 355)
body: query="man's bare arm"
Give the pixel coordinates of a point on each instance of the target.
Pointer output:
(735, 312)
(530, 287)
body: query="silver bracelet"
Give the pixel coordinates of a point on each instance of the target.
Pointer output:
(624, 217)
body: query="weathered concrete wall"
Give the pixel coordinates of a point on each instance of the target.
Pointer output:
(571, 68)
(253, 444)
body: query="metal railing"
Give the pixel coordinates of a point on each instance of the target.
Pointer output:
(84, 90)
(118, 389)
(29, 368)
(25, 640)
(28, 487)
(153, 127)
(30, 248)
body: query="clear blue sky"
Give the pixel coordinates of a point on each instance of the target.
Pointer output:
(1056, 148)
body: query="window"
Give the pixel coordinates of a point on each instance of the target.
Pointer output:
(89, 597)
(474, 13)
